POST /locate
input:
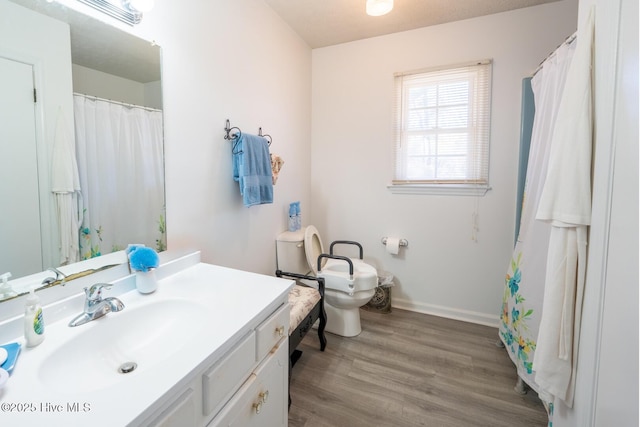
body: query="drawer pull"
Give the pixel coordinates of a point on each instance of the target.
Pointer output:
(262, 398)
(280, 331)
(257, 407)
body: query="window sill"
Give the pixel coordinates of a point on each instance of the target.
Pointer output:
(440, 189)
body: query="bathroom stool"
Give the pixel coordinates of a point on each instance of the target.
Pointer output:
(307, 306)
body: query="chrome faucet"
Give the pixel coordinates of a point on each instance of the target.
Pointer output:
(59, 276)
(95, 306)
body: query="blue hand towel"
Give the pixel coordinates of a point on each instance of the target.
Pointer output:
(252, 169)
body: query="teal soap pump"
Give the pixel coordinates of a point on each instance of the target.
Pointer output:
(33, 320)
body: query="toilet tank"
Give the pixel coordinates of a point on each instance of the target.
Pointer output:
(290, 255)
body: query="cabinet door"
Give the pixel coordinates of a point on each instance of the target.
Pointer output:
(20, 225)
(262, 401)
(221, 380)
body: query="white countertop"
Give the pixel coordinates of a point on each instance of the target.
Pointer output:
(235, 302)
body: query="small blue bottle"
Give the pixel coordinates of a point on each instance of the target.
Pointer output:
(292, 217)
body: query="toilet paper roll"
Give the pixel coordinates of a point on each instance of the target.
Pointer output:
(393, 245)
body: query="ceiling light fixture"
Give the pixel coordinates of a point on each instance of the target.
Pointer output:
(128, 11)
(140, 5)
(379, 7)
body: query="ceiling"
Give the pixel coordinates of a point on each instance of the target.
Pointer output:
(323, 23)
(100, 46)
(319, 23)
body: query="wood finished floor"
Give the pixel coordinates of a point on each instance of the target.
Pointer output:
(409, 369)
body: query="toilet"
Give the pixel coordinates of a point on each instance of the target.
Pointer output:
(298, 252)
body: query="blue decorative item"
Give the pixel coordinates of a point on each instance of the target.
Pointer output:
(142, 258)
(13, 350)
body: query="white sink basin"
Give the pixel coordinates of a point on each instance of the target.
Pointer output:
(146, 335)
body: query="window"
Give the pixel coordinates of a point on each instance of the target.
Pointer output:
(442, 120)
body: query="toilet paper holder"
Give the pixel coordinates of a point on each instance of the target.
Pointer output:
(403, 242)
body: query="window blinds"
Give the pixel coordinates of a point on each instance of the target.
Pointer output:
(441, 125)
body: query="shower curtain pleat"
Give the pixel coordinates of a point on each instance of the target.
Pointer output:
(120, 162)
(525, 278)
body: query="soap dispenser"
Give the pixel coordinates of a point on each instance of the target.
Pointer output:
(5, 289)
(33, 320)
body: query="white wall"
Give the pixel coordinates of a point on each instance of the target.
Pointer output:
(153, 94)
(236, 60)
(442, 271)
(108, 86)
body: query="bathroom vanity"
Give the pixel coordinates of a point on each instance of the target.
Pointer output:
(208, 348)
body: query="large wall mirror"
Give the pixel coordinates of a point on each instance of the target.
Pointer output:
(83, 165)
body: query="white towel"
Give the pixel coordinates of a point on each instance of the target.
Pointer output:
(556, 352)
(65, 185)
(64, 168)
(566, 204)
(566, 195)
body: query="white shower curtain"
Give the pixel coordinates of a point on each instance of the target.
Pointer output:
(120, 161)
(525, 279)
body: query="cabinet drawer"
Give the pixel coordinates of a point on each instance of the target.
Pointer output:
(262, 400)
(223, 378)
(271, 331)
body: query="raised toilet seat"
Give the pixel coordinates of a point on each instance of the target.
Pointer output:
(349, 283)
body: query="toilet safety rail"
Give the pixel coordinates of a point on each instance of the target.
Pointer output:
(339, 257)
(320, 280)
(346, 242)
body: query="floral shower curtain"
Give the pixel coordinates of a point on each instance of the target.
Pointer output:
(525, 279)
(120, 162)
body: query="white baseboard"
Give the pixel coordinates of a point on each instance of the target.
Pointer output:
(448, 312)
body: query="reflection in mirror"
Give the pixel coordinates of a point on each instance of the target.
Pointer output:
(86, 171)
